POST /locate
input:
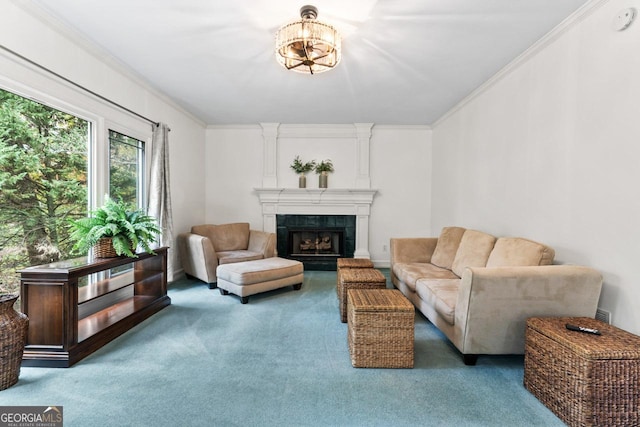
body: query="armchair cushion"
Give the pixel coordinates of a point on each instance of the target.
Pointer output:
(225, 237)
(228, 257)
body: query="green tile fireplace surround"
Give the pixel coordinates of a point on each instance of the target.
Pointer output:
(343, 226)
(344, 210)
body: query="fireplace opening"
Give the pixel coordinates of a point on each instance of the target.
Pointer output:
(323, 242)
(316, 240)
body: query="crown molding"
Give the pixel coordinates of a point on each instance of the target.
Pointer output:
(323, 130)
(77, 38)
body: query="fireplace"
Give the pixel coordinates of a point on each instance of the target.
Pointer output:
(337, 207)
(316, 240)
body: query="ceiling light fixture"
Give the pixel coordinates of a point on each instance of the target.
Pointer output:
(308, 46)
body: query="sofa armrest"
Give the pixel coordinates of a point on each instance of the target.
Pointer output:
(494, 303)
(412, 249)
(199, 259)
(262, 242)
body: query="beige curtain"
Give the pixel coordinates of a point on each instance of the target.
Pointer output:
(160, 192)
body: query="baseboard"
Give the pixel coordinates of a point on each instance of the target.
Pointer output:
(382, 263)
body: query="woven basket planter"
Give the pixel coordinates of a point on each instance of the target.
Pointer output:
(13, 336)
(104, 249)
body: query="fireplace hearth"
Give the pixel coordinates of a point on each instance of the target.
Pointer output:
(316, 240)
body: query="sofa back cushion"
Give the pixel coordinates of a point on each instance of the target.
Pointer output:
(225, 237)
(474, 250)
(516, 251)
(447, 247)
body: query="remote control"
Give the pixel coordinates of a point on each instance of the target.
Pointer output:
(582, 329)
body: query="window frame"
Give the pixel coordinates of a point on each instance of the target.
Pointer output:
(29, 81)
(140, 136)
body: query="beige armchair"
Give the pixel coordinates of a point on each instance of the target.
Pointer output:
(209, 245)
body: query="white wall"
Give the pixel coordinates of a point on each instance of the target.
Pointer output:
(401, 165)
(400, 169)
(233, 156)
(27, 32)
(549, 150)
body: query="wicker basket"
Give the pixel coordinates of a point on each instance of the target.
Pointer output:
(381, 329)
(13, 335)
(585, 379)
(104, 249)
(357, 278)
(344, 263)
(354, 263)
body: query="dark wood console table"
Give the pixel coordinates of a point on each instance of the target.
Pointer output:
(79, 305)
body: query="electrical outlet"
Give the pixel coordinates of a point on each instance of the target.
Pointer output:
(384, 248)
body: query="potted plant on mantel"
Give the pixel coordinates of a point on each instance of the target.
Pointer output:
(322, 169)
(302, 168)
(115, 230)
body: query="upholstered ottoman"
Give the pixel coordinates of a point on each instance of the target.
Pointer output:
(253, 277)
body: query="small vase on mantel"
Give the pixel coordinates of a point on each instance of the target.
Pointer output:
(323, 180)
(302, 181)
(322, 169)
(13, 336)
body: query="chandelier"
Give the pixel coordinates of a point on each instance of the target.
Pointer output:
(308, 46)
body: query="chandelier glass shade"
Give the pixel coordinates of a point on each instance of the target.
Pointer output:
(307, 45)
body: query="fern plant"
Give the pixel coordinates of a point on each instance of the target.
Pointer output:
(128, 228)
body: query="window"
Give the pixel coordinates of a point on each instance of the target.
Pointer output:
(126, 169)
(126, 175)
(43, 182)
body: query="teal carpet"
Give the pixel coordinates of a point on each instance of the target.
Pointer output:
(281, 360)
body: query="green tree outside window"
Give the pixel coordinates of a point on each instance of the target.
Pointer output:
(43, 182)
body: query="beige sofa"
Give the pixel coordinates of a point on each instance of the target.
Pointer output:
(479, 290)
(209, 245)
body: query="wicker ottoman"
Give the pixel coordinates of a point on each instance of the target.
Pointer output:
(345, 263)
(585, 379)
(380, 330)
(357, 278)
(252, 277)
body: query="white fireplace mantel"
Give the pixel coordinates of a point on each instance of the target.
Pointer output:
(320, 201)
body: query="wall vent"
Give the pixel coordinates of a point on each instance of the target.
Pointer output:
(603, 315)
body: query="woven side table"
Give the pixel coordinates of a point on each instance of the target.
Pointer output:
(585, 379)
(357, 278)
(345, 263)
(381, 329)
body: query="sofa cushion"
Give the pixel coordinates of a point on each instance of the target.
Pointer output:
(409, 273)
(474, 250)
(447, 246)
(516, 251)
(441, 294)
(225, 237)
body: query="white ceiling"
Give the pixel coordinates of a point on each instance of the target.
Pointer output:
(404, 61)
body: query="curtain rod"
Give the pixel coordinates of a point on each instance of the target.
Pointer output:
(97, 95)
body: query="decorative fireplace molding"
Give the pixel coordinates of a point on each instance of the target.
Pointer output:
(321, 201)
(359, 133)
